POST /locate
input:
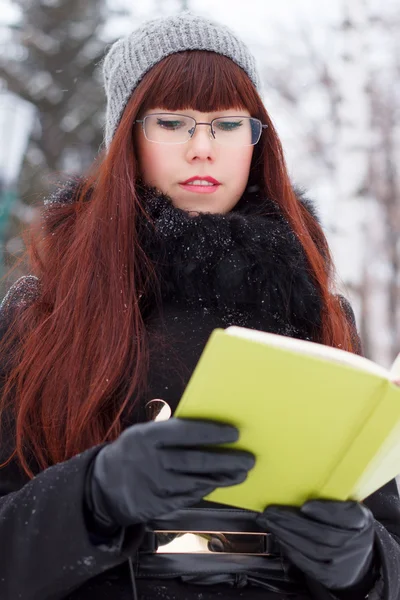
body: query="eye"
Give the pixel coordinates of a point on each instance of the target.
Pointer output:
(228, 125)
(170, 124)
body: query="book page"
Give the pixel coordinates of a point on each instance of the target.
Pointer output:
(312, 349)
(394, 373)
(384, 467)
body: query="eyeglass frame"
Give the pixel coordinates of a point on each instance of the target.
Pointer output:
(142, 122)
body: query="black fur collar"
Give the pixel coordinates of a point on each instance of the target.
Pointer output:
(248, 258)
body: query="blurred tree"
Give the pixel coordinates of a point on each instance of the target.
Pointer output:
(51, 59)
(374, 226)
(16, 119)
(339, 94)
(57, 49)
(385, 183)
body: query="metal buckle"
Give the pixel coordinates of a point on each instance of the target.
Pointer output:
(209, 542)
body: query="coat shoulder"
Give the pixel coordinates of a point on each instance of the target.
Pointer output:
(20, 295)
(308, 202)
(351, 319)
(65, 192)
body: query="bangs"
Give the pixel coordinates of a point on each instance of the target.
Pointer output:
(200, 80)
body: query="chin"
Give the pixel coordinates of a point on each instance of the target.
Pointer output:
(204, 209)
(201, 207)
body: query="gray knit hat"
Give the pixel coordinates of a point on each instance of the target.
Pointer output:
(131, 57)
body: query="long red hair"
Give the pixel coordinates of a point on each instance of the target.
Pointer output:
(80, 355)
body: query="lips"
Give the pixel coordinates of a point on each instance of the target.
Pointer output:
(205, 180)
(201, 185)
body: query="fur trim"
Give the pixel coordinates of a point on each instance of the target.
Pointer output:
(237, 259)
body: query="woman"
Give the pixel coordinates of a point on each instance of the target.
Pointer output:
(189, 222)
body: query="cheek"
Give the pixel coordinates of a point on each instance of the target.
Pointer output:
(239, 164)
(155, 163)
(150, 164)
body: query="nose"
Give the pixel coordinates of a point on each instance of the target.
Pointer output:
(201, 146)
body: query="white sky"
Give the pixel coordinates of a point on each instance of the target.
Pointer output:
(254, 16)
(251, 18)
(9, 13)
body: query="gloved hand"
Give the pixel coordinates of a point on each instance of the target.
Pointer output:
(330, 541)
(158, 467)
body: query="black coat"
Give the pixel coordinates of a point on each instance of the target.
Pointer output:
(242, 269)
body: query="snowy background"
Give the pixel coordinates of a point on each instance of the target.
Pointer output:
(331, 83)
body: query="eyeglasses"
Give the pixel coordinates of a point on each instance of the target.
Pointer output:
(170, 128)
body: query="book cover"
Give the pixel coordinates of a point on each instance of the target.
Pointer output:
(320, 421)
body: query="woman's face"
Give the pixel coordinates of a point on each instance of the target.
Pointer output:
(168, 166)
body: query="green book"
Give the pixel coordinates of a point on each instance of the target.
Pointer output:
(322, 422)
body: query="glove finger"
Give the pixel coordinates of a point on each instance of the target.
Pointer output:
(347, 515)
(234, 479)
(316, 570)
(189, 432)
(185, 498)
(294, 521)
(184, 484)
(310, 548)
(206, 461)
(218, 480)
(317, 548)
(340, 571)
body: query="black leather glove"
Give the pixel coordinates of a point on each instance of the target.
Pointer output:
(158, 467)
(331, 541)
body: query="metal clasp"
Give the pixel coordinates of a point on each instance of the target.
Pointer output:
(209, 542)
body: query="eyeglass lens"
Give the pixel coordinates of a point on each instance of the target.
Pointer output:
(177, 129)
